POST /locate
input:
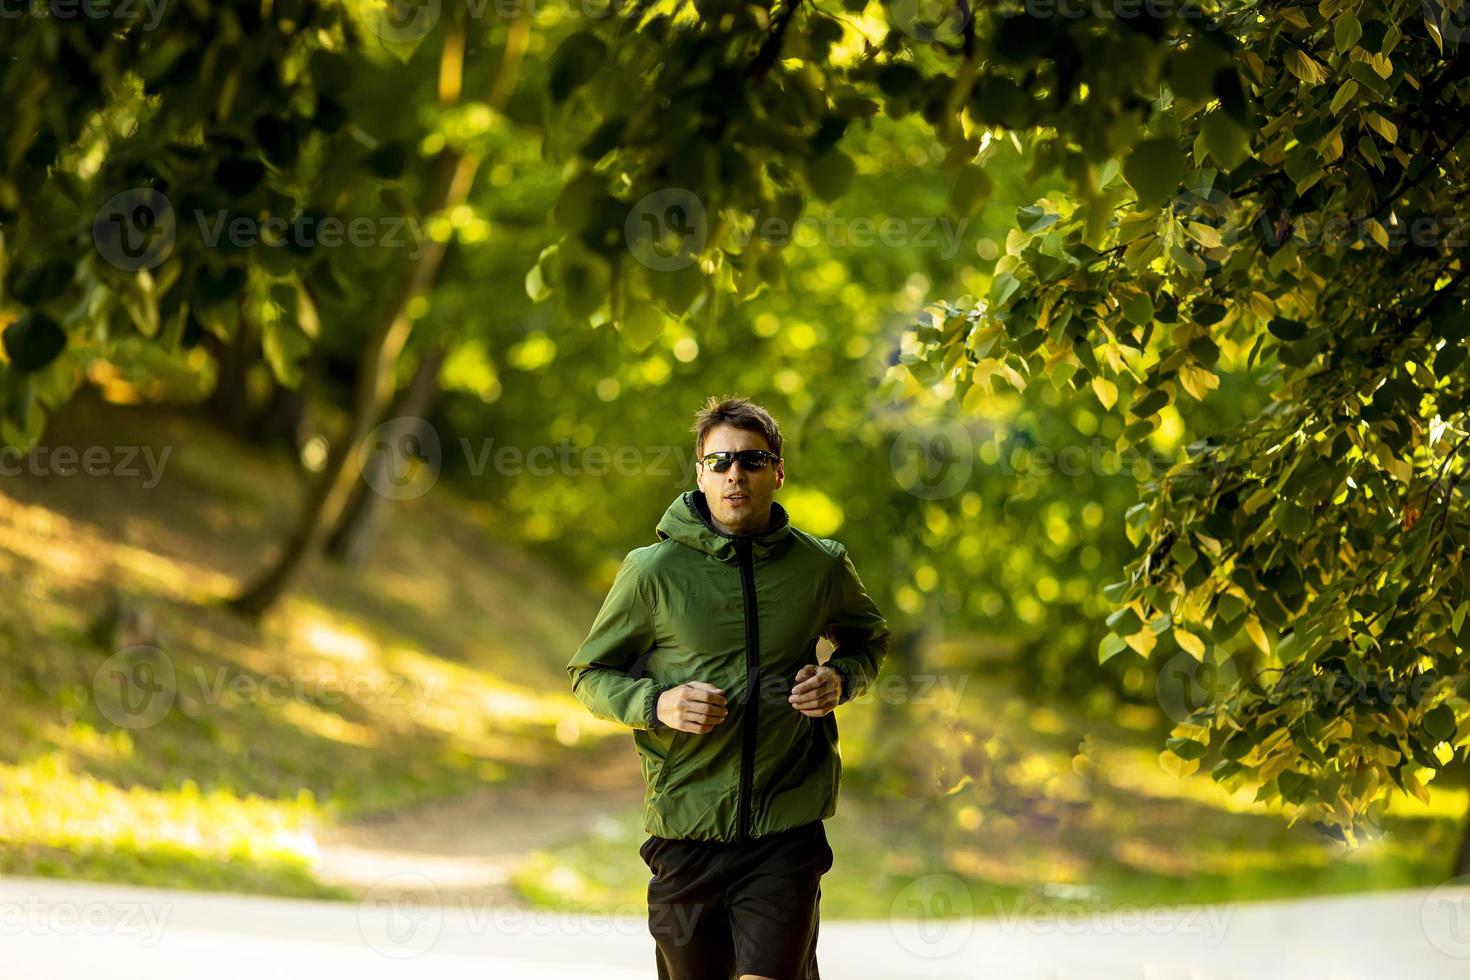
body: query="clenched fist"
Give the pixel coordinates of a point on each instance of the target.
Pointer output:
(695, 707)
(816, 691)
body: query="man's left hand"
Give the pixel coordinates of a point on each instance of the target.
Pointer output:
(817, 690)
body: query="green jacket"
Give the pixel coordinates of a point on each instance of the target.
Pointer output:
(743, 613)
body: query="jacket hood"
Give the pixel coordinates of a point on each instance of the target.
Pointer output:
(687, 520)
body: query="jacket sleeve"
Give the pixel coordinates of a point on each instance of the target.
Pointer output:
(857, 630)
(622, 631)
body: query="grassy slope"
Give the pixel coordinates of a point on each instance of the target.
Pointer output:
(437, 670)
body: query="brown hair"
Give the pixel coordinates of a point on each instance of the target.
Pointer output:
(742, 413)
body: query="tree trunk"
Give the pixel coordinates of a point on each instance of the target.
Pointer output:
(229, 403)
(353, 537)
(281, 419)
(455, 173)
(1462, 860)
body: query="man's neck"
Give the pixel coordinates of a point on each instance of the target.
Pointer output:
(765, 526)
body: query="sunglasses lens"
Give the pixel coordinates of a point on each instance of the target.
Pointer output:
(750, 459)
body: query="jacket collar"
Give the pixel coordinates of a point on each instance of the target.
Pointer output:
(687, 520)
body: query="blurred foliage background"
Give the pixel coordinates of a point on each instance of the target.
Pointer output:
(174, 291)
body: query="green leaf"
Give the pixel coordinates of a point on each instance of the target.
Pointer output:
(1154, 169)
(1229, 606)
(284, 346)
(1186, 748)
(389, 160)
(1346, 32)
(1227, 142)
(1287, 329)
(1224, 769)
(896, 79)
(1205, 351)
(36, 284)
(830, 174)
(1139, 309)
(1439, 723)
(969, 191)
(587, 278)
(1124, 622)
(1230, 90)
(1292, 518)
(642, 325)
(1111, 645)
(677, 289)
(33, 341)
(575, 61)
(1237, 746)
(573, 210)
(1345, 93)
(1033, 218)
(1150, 403)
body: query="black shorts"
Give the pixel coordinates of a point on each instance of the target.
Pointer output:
(720, 910)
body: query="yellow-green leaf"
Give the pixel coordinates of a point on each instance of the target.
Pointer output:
(1347, 31)
(1204, 234)
(1345, 92)
(1197, 380)
(1381, 126)
(1189, 643)
(1257, 634)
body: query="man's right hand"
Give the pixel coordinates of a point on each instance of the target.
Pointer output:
(695, 707)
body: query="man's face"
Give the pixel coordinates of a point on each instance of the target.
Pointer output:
(749, 511)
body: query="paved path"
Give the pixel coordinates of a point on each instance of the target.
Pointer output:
(55, 930)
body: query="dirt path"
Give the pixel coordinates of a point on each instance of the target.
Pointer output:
(468, 849)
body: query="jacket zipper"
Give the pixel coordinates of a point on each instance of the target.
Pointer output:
(752, 680)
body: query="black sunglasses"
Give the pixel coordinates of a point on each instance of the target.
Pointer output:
(750, 459)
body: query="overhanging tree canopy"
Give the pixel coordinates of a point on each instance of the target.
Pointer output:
(1248, 184)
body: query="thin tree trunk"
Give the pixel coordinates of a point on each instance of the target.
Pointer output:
(1462, 860)
(280, 419)
(455, 174)
(353, 537)
(229, 402)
